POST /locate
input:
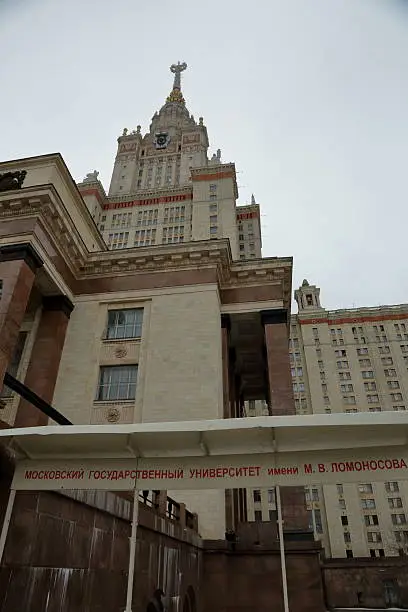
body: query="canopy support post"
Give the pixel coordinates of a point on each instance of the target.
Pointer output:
(132, 551)
(282, 550)
(6, 522)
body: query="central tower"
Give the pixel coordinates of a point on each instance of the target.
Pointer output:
(164, 156)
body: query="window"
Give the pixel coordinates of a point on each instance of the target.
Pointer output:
(271, 496)
(401, 536)
(370, 386)
(390, 372)
(344, 375)
(349, 399)
(393, 384)
(117, 383)
(214, 208)
(213, 187)
(395, 502)
(372, 552)
(344, 520)
(318, 353)
(386, 360)
(299, 371)
(315, 331)
(365, 488)
(392, 487)
(213, 196)
(384, 350)
(349, 554)
(374, 536)
(368, 504)
(258, 516)
(124, 324)
(315, 494)
(347, 537)
(340, 489)
(396, 397)
(364, 363)
(326, 400)
(340, 353)
(301, 387)
(404, 348)
(374, 409)
(324, 388)
(342, 365)
(321, 365)
(372, 399)
(309, 300)
(398, 519)
(318, 520)
(367, 374)
(346, 388)
(322, 376)
(397, 408)
(213, 219)
(272, 516)
(362, 351)
(213, 229)
(371, 519)
(257, 495)
(342, 504)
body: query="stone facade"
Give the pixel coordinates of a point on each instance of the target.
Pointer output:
(349, 361)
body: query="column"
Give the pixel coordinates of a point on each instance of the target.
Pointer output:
(225, 331)
(275, 322)
(18, 266)
(42, 371)
(226, 383)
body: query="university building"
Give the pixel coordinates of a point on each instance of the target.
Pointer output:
(349, 361)
(149, 303)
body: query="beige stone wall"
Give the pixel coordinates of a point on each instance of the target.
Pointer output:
(179, 376)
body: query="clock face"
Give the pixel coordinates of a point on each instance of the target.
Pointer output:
(161, 140)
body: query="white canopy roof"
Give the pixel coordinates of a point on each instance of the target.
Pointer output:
(226, 453)
(217, 437)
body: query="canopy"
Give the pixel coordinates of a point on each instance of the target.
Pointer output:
(224, 453)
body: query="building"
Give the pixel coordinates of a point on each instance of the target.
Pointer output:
(141, 305)
(166, 190)
(349, 361)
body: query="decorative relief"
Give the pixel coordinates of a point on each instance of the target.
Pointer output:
(12, 180)
(112, 415)
(121, 352)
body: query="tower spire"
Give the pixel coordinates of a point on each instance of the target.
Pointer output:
(176, 95)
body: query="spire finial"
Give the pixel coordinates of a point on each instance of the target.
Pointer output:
(176, 95)
(177, 69)
(253, 199)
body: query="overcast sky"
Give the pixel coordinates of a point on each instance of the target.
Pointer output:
(308, 97)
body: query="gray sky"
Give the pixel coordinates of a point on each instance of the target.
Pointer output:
(307, 97)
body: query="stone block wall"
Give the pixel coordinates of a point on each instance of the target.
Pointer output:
(366, 582)
(64, 555)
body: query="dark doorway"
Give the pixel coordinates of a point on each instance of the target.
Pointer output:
(391, 593)
(189, 601)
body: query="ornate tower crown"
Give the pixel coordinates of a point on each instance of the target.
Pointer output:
(176, 95)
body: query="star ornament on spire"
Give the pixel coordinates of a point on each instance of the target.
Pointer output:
(176, 95)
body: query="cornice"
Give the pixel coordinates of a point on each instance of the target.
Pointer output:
(43, 204)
